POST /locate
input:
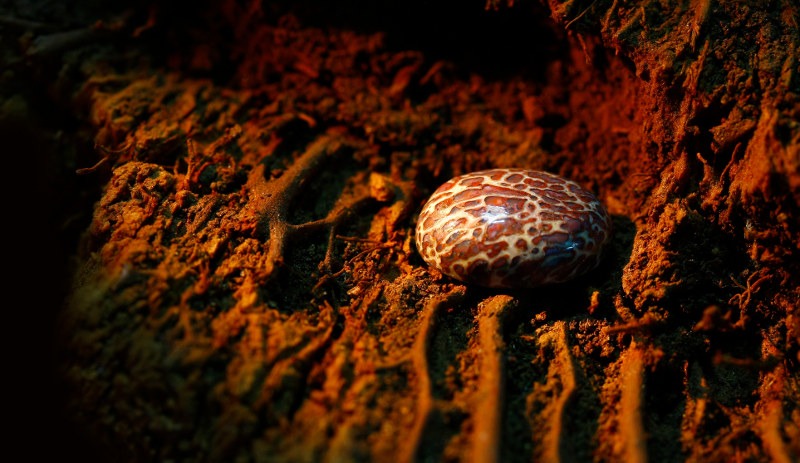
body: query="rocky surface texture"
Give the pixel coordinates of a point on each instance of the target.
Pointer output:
(245, 178)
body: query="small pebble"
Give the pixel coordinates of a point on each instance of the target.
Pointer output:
(512, 228)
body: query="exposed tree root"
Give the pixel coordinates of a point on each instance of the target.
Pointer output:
(425, 405)
(270, 200)
(490, 399)
(563, 382)
(633, 437)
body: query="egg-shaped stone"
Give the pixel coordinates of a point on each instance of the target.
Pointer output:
(512, 228)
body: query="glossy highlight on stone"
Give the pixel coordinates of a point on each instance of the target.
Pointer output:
(512, 228)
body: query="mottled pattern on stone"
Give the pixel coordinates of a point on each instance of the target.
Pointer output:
(511, 228)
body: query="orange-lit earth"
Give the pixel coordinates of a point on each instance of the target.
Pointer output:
(225, 196)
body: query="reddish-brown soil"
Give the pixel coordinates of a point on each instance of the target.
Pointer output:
(230, 190)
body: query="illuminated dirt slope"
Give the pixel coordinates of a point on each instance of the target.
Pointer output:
(249, 290)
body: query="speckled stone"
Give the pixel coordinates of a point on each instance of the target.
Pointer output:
(512, 228)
